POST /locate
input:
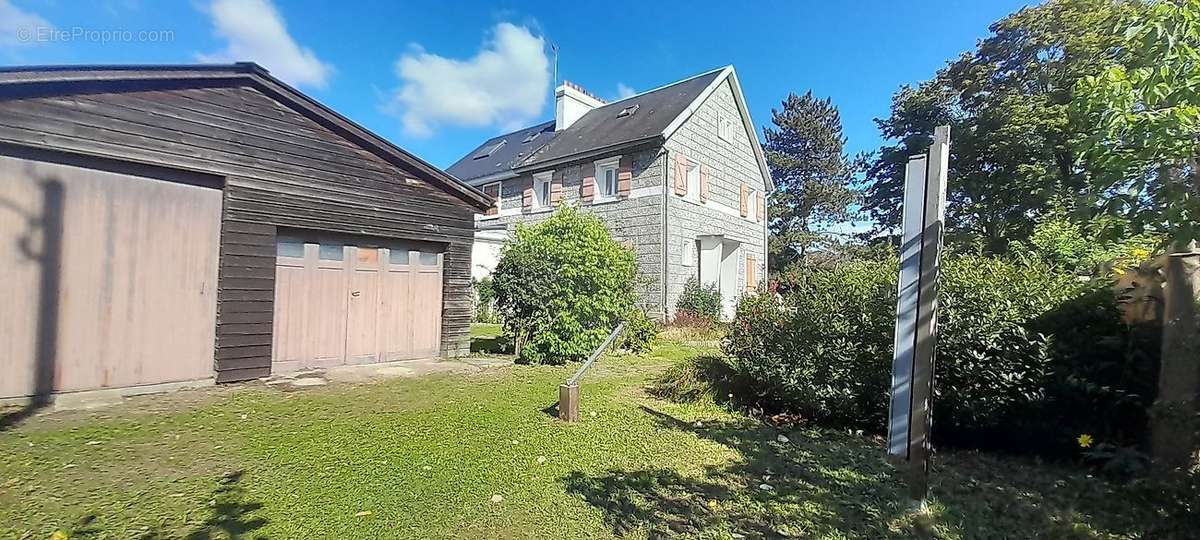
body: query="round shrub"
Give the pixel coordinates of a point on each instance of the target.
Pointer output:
(639, 332)
(698, 301)
(1027, 358)
(562, 285)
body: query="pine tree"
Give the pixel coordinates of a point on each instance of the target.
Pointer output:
(813, 175)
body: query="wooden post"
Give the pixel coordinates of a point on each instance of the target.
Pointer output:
(910, 415)
(568, 402)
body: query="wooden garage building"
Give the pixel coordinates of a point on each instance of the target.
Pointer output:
(174, 223)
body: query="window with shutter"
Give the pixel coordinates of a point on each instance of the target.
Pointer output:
(493, 190)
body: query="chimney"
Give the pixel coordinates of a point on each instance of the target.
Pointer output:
(571, 102)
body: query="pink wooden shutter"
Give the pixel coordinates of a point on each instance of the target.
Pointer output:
(745, 200)
(762, 206)
(588, 189)
(703, 183)
(624, 176)
(527, 196)
(680, 175)
(556, 183)
(751, 279)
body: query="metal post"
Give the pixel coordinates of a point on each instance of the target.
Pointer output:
(910, 416)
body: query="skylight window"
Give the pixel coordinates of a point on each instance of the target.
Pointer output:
(628, 111)
(529, 138)
(488, 150)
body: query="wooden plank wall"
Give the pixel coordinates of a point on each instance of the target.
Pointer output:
(282, 169)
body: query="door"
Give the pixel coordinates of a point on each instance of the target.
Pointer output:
(339, 302)
(109, 277)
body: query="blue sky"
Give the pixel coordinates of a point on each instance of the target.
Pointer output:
(439, 77)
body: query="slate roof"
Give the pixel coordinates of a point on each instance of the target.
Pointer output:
(599, 129)
(602, 128)
(513, 147)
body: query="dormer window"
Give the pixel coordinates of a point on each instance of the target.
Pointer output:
(628, 111)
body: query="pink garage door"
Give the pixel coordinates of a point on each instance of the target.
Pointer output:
(337, 303)
(109, 279)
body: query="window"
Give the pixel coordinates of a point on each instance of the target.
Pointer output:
(529, 138)
(398, 255)
(693, 181)
(493, 190)
(289, 247)
(629, 111)
(428, 258)
(724, 126)
(541, 190)
(488, 150)
(330, 252)
(751, 205)
(606, 178)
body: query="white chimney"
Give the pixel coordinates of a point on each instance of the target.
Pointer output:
(571, 103)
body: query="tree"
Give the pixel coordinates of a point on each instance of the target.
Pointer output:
(1015, 149)
(813, 175)
(1147, 108)
(562, 285)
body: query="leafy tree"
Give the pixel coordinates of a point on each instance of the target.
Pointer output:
(813, 175)
(562, 285)
(1015, 150)
(1147, 108)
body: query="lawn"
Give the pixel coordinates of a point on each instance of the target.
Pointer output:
(481, 456)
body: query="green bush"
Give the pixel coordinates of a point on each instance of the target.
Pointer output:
(639, 332)
(561, 286)
(485, 301)
(699, 301)
(1027, 358)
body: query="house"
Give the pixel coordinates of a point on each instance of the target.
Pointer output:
(190, 223)
(676, 172)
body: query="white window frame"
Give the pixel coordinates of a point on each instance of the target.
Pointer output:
(724, 126)
(602, 167)
(752, 204)
(543, 180)
(499, 196)
(693, 181)
(689, 252)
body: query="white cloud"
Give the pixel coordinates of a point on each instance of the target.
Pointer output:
(255, 31)
(17, 27)
(624, 91)
(505, 84)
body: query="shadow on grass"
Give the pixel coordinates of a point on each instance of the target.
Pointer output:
(231, 512)
(825, 483)
(491, 345)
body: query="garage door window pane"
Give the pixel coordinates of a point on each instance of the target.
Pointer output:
(331, 252)
(289, 247)
(398, 256)
(429, 259)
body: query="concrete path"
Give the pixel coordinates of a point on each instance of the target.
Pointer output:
(387, 370)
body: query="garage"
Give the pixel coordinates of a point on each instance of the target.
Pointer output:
(354, 301)
(110, 278)
(166, 226)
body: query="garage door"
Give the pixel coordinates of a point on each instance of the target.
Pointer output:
(354, 303)
(109, 279)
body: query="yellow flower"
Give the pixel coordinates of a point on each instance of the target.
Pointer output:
(1118, 271)
(1084, 440)
(60, 535)
(1140, 253)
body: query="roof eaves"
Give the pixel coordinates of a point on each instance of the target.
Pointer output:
(577, 156)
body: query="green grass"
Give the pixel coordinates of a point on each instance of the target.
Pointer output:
(425, 456)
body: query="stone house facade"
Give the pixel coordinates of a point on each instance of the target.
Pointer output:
(684, 185)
